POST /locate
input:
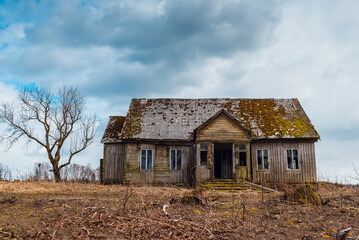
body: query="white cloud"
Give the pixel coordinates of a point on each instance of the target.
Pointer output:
(117, 50)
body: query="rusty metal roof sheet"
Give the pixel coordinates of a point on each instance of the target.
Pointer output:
(175, 119)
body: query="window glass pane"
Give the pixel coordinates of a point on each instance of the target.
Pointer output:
(242, 158)
(173, 159)
(296, 162)
(265, 159)
(289, 159)
(295, 152)
(296, 159)
(143, 159)
(243, 146)
(259, 159)
(203, 157)
(149, 159)
(179, 159)
(203, 146)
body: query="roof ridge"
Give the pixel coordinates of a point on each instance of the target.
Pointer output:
(174, 118)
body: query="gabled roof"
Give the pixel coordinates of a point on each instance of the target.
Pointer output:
(113, 129)
(176, 119)
(222, 111)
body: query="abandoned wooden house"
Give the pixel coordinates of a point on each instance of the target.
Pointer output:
(195, 140)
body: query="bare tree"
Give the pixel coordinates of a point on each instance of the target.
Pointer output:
(79, 173)
(41, 171)
(356, 177)
(52, 120)
(5, 173)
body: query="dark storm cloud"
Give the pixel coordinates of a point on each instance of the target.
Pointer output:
(179, 29)
(166, 38)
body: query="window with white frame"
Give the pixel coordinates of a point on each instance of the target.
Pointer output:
(146, 159)
(176, 159)
(203, 153)
(262, 159)
(292, 159)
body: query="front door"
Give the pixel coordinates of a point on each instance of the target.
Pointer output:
(223, 160)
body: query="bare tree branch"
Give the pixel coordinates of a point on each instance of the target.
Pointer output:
(49, 119)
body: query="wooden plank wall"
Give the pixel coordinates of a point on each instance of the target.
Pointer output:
(161, 173)
(161, 164)
(181, 176)
(205, 172)
(242, 172)
(113, 163)
(222, 129)
(278, 163)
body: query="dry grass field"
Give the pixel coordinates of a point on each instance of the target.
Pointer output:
(90, 211)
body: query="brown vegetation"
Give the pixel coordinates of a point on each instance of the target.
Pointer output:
(91, 211)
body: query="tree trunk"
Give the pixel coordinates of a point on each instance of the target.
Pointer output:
(57, 174)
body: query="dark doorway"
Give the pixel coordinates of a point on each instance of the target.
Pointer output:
(223, 163)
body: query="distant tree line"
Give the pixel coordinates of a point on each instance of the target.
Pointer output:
(42, 172)
(5, 173)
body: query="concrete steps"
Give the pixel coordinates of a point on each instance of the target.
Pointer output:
(230, 185)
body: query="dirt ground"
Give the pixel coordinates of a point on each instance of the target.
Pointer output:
(90, 211)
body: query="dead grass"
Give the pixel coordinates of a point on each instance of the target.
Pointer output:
(91, 211)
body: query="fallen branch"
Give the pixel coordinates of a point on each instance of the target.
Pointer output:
(7, 234)
(161, 223)
(202, 227)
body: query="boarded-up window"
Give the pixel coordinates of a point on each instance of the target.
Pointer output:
(262, 159)
(292, 159)
(176, 159)
(203, 153)
(146, 159)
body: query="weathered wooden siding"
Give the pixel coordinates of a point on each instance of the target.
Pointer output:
(161, 164)
(122, 163)
(205, 172)
(241, 172)
(132, 164)
(180, 176)
(222, 129)
(278, 171)
(160, 173)
(113, 163)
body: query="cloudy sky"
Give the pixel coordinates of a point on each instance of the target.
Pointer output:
(116, 50)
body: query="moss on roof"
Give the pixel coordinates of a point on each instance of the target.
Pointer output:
(113, 129)
(177, 118)
(272, 120)
(133, 124)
